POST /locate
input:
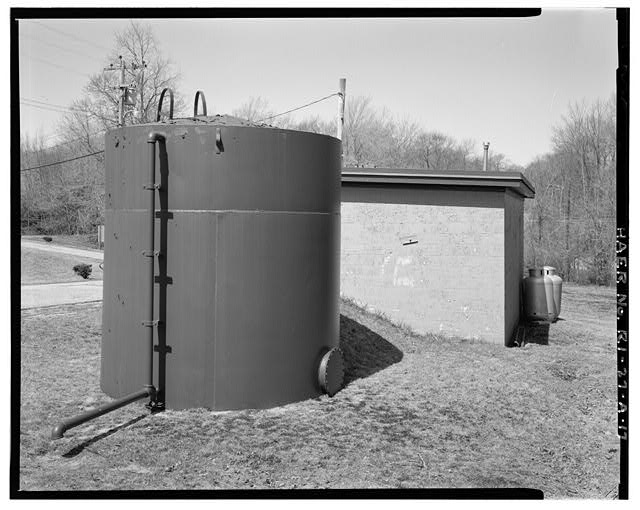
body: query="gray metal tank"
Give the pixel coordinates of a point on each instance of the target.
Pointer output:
(247, 276)
(538, 298)
(557, 288)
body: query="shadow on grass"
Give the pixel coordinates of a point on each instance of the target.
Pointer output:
(536, 333)
(77, 450)
(364, 351)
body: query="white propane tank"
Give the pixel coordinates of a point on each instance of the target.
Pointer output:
(557, 288)
(539, 304)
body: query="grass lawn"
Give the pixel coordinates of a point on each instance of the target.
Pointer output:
(38, 266)
(417, 411)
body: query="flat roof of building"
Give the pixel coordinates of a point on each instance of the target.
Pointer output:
(514, 181)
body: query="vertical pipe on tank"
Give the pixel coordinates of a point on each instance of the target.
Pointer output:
(153, 137)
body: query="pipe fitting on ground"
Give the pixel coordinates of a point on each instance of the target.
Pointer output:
(58, 431)
(153, 393)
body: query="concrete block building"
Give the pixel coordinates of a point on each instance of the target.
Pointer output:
(440, 252)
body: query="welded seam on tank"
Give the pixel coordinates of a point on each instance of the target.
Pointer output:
(236, 211)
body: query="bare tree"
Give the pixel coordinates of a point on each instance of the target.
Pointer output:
(464, 150)
(359, 123)
(437, 151)
(576, 194)
(313, 124)
(148, 73)
(254, 109)
(402, 136)
(69, 198)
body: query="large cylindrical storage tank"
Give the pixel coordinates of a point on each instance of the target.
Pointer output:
(247, 278)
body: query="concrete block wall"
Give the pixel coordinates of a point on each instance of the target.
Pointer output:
(437, 268)
(441, 252)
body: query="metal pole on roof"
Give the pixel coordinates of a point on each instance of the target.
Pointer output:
(485, 163)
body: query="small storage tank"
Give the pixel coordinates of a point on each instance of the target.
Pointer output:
(557, 288)
(538, 298)
(247, 275)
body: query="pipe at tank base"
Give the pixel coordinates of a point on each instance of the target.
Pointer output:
(149, 389)
(59, 430)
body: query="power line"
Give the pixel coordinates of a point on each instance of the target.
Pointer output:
(67, 142)
(45, 103)
(92, 57)
(60, 162)
(57, 108)
(299, 107)
(85, 41)
(55, 65)
(76, 139)
(42, 107)
(54, 105)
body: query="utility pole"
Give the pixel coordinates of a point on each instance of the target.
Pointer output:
(341, 101)
(141, 88)
(124, 89)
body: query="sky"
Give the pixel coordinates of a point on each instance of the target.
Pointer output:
(506, 81)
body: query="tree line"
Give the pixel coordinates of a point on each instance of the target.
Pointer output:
(374, 137)
(570, 224)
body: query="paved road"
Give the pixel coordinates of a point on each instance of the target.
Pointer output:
(34, 296)
(80, 252)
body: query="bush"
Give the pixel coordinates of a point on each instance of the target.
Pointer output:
(83, 270)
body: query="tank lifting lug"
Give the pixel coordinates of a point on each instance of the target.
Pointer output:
(219, 145)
